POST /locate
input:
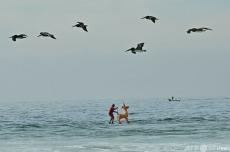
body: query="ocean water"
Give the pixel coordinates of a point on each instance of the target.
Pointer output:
(156, 125)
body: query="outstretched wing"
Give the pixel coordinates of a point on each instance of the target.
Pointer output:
(140, 46)
(191, 30)
(45, 34)
(52, 36)
(153, 19)
(134, 52)
(144, 17)
(80, 23)
(13, 37)
(85, 28)
(129, 50)
(205, 28)
(23, 35)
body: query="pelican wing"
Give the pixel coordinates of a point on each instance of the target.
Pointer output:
(153, 19)
(129, 50)
(205, 28)
(52, 36)
(201, 29)
(140, 46)
(84, 28)
(45, 34)
(23, 35)
(191, 30)
(14, 37)
(80, 23)
(134, 52)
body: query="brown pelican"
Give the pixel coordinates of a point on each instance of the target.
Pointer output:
(81, 25)
(137, 49)
(202, 29)
(20, 36)
(152, 18)
(46, 34)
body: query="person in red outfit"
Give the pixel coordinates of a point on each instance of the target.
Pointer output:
(111, 111)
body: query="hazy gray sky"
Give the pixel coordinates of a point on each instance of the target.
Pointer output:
(80, 65)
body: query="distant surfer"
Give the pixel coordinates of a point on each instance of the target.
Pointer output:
(112, 109)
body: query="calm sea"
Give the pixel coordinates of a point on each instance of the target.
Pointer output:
(156, 125)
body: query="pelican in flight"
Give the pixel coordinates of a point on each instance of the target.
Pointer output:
(20, 36)
(202, 29)
(46, 34)
(81, 25)
(137, 49)
(173, 99)
(152, 18)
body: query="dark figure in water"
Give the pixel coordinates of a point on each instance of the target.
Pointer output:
(137, 49)
(152, 18)
(202, 29)
(81, 25)
(20, 36)
(46, 34)
(111, 111)
(173, 99)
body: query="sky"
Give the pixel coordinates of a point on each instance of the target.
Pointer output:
(93, 65)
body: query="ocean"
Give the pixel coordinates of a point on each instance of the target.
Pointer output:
(156, 125)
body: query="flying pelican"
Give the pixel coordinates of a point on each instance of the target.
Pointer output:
(152, 18)
(20, 36)
(173, 99)
(46, 34)
(81, 25)
(202, 29)
(137, 49)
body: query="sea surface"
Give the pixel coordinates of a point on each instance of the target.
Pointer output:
(156, 125)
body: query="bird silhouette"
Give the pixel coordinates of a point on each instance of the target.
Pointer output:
(81, 25)
(137, 49)
(152, 18)
(20, 36)
(202, 29)
(46, 34)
